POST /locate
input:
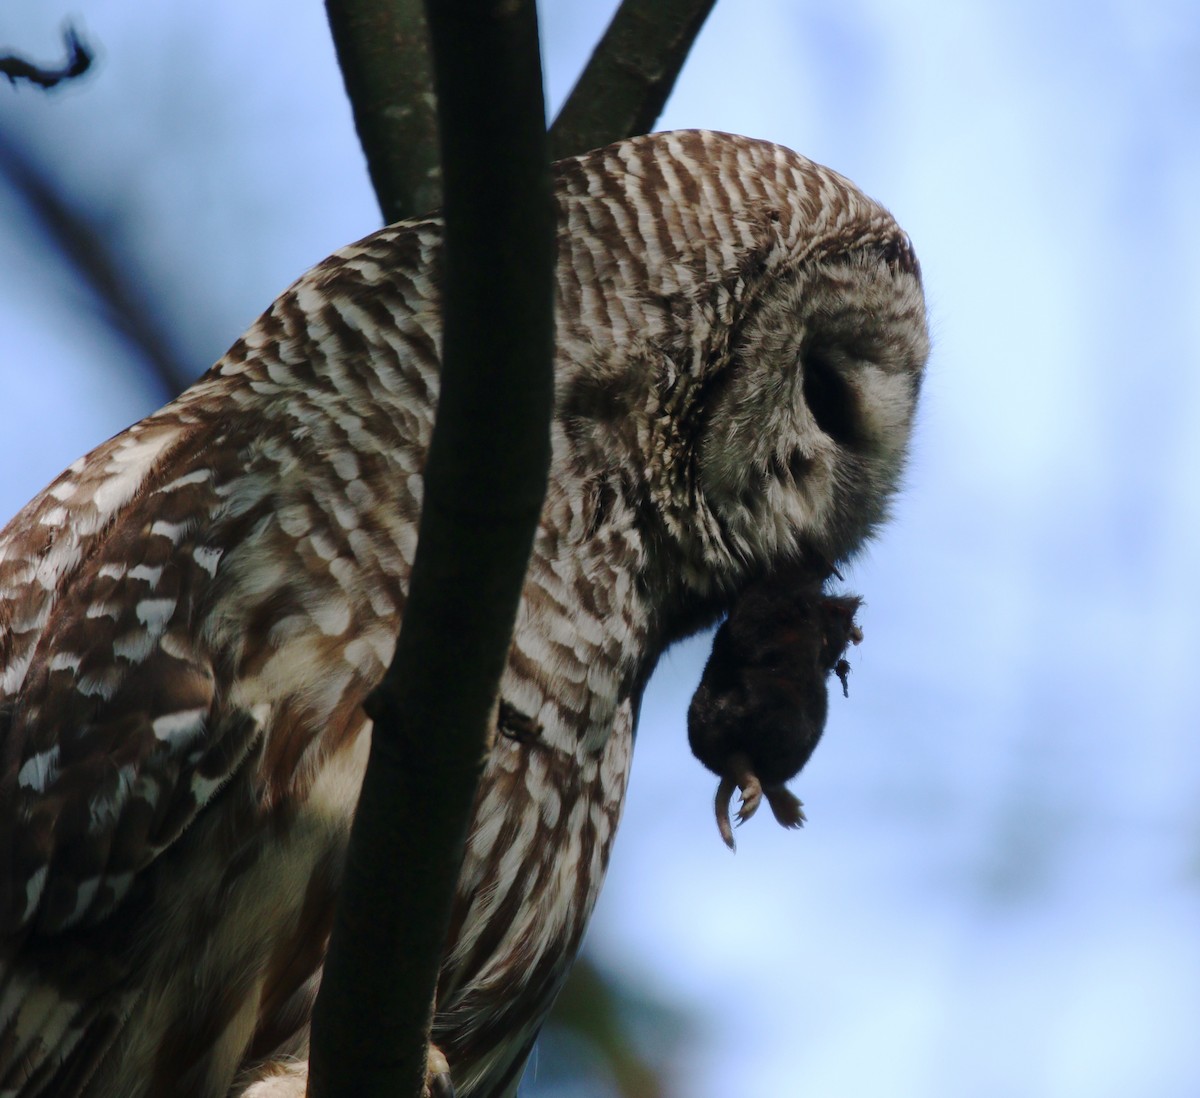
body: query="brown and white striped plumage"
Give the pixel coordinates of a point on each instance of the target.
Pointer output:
(191, 615)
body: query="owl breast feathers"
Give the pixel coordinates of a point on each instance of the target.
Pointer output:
(192, 614)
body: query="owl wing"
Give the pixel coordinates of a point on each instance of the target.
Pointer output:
(232, 564)
(115, 728)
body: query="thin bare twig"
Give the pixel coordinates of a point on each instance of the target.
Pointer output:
(79, 60)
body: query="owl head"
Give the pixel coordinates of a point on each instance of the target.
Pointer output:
(746, 336)
(807, 421)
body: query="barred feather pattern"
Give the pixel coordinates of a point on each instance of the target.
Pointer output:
(192, 614)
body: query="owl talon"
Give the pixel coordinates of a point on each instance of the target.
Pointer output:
(786, 807)
(724, 796)
(438, 1083)
(752, 795)
(740, 769)
(738, 776)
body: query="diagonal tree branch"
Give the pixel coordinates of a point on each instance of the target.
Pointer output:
(383, 51)
(485, 480)
(626, 83)
(486, 470)
(382, 48)
(90, 253)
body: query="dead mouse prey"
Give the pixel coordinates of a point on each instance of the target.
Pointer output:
(761, 704)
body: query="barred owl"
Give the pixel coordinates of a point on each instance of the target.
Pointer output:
(192, 614)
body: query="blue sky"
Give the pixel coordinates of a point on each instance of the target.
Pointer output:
(998, 891)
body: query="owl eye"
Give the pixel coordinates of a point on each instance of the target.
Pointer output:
(830, 398)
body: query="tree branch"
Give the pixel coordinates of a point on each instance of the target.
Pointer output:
(486, 471)
(485, 480)
(79, 60)
(630, 75)
(383, 51)
(123, 304)
(91, 255)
